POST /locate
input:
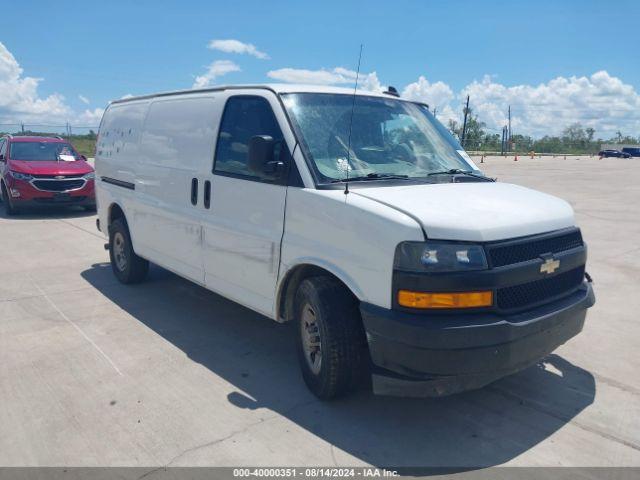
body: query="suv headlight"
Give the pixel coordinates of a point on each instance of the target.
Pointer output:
(439, 257)
(21, 176)
(89, 176)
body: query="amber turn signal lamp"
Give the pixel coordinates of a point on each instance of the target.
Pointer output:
(407, 298)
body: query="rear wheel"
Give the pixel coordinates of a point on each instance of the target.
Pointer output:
(126, 265)
(9, 207)
(331, 339)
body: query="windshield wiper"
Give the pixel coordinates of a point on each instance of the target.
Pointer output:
(372, 176)
(457, 171)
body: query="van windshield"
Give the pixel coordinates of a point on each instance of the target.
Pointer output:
(389, 137)
(41, 151)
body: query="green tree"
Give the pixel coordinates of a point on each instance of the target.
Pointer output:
(590, 131)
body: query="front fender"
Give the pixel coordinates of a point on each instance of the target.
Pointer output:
(333, 269)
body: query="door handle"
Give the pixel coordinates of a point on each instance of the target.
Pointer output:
(207, 194)
(194, 191)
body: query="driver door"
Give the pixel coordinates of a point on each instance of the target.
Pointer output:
(243, 225)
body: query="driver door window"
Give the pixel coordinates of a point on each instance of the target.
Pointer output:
(243, 118)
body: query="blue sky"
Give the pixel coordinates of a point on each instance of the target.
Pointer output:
(105, 50)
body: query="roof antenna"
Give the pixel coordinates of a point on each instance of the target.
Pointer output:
(353, 105)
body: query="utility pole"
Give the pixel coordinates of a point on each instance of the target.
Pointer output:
(22, 127)
(464, 123)
(509, 132)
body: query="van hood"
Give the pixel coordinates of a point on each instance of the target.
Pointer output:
(478, 212)
(79, 167)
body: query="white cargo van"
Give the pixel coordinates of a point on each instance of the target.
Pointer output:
(357, 217)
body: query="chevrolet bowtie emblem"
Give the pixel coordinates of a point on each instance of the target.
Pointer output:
(59, 177)
(550, 265)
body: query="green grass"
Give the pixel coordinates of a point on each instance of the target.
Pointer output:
(85, 146)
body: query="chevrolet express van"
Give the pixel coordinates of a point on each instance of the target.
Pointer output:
(357, 217)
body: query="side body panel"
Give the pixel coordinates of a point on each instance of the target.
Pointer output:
(176, 143)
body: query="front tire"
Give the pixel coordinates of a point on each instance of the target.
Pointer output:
(126, 265)
(331, 340)
(9, 208)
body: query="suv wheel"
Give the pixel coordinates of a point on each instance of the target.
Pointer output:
(9, 208)
(331, 340)
(126, 265)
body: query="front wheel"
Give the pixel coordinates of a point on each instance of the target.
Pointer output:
(9, 207)
(126, 265)
(331, 340)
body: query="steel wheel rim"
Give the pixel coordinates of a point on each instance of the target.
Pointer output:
(311, 341)
(119, 251)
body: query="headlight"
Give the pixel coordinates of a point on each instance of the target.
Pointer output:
(89, 176)
(21, 176)
(439, 257)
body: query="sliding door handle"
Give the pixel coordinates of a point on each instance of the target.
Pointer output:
(194, 191)
(207, 194)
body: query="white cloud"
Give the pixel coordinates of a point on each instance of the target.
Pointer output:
(436, 95)
(84, 99)
(90, 118)
(19, 99)
(236, 46)
(336, 76)
(215, 70)
(20, 102)
(600, 101)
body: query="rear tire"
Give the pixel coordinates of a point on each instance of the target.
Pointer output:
(9, 208)
(126, 265)
(331, 339)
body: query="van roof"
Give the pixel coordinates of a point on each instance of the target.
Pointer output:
(274, 87)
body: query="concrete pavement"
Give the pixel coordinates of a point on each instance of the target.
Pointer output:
(94, 373)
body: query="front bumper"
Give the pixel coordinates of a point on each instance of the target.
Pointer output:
(25, 194)
(440, 354)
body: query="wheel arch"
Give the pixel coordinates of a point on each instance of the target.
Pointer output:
(292, 278)
(115, 212)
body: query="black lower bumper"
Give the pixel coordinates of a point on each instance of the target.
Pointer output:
(81, 201)
(436, 355)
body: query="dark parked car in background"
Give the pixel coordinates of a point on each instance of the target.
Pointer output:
(613, 153)
(633, 151)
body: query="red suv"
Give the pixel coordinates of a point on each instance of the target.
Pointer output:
(44, 171)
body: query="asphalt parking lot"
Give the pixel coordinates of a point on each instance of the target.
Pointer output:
(95, 373)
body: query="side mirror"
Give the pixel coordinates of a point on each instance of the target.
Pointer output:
(261, 156)
(83, 158)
